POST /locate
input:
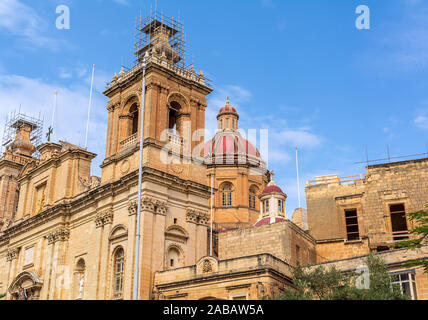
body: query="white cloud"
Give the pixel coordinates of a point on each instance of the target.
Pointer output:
(21, 20)
(36, 95)
(422, 122)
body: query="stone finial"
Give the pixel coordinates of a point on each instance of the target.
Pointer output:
(122, 72)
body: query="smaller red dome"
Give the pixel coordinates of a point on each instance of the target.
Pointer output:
(227, 109)
(271, 189)
(223, 230)
(266, 221)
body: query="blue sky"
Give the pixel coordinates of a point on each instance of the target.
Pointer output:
(298, 68)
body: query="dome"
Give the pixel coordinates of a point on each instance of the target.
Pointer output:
(228, 109)
(271, 189)
(231, 144)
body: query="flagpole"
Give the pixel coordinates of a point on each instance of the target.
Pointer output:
(211, 234)
(89, 107)
(140, 182)
(298, 179)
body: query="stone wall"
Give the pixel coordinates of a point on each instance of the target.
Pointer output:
(279, 239)
(247, 278)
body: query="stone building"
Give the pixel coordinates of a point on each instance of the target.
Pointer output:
(72, 236)
(354, 216)
(65, 234)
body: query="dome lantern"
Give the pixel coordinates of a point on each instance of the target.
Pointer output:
(272, 204)
(228, 117)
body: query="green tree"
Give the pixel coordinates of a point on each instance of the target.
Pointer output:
(2, 295)
(331, 284)
(421, 232)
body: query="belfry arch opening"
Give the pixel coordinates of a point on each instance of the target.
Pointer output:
(174, 111)
(134, 113)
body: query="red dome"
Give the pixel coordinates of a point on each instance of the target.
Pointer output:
(266, 221)
(227, 109)
(229, 144)
(271, 189)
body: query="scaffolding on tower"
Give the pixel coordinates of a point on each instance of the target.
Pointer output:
(157, 21)
(14, 122)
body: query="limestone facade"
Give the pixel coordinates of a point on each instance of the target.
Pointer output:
(357, 215)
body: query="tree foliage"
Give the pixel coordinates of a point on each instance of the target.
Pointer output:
(2, 295)
(420, 219)
(331, 284)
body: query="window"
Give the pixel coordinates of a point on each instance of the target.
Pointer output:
(252, 199)
(173, 115)
(119, 264)
(281, 208)
(233, 123)
(40, 199)
(134, 116)
(227, 123)
(221, 124)
(352, 230)
(406, 282)
(227, 196)
(399, 222)
(266, 206)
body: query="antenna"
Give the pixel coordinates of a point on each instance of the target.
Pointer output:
(298, 178)
(389, 155)
(89, 107)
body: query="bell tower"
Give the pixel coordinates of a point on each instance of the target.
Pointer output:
(175, 104)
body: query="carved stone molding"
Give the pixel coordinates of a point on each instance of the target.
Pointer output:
(104, 218)
(198, 217)
(148, 204)
(12, 254)
(61, 234)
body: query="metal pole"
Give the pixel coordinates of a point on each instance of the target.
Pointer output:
(211, 234)
(298, 179)
(89, 107)
(140, 181)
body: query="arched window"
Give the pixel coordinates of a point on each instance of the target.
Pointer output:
(134, 119)
(174, 109)
(80, 279)
(119, 268)
(227, 123)
(227, 196)
(252, 199)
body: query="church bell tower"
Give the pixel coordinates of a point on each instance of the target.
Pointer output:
(175, 104)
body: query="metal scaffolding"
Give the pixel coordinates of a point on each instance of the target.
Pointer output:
(145, 28)
(14, 122)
